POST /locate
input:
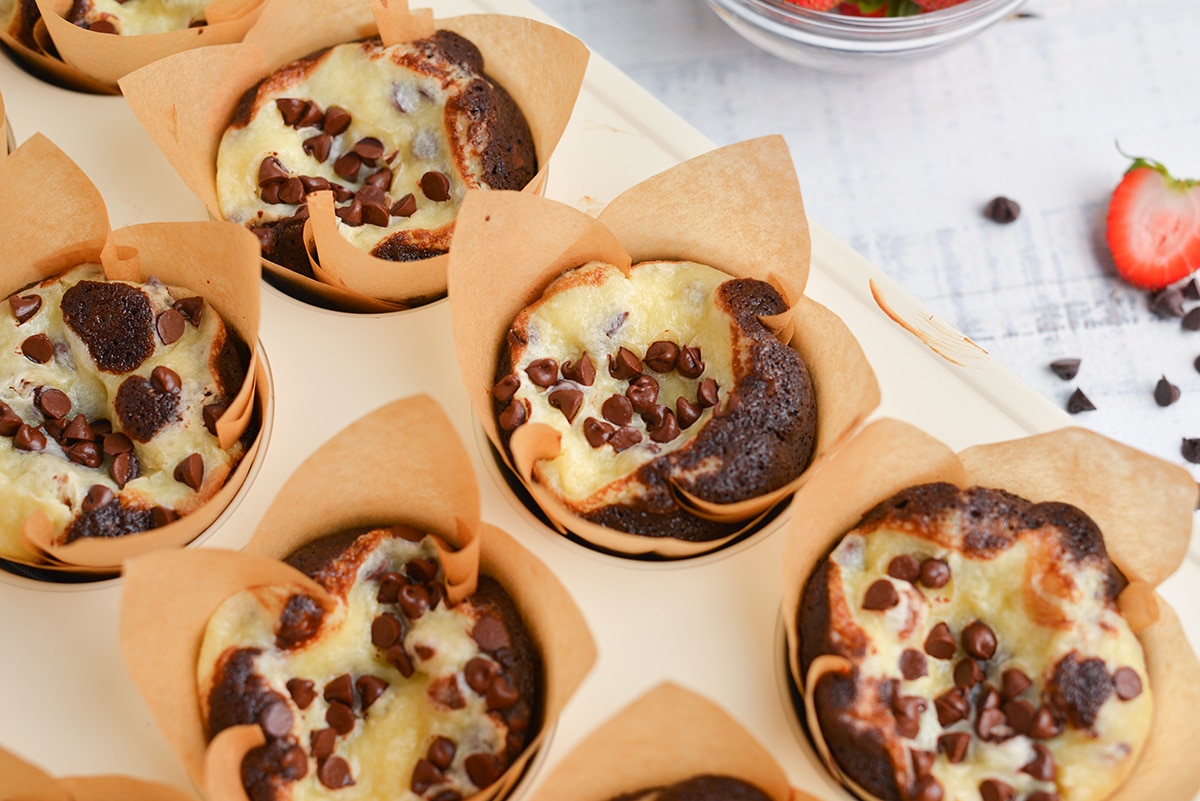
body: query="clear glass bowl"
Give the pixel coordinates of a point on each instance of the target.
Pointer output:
(839, 43)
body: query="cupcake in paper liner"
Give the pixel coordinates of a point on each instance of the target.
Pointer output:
(986, 624)
(656, 377)
(133, 395)
(88, 45)
(379, 640)
(347, 146)
(23, 781)
(669, 743)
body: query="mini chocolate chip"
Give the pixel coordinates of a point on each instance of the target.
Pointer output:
(191, 308)
(1165, 393)
(952, 706)
(904, 567)
(276, 719)
(293, 764)
(625, 437)
(927, 788)
(501, 694)
(661, 356)
(10, 421)
(436, 593)
(210, 414)
(321, 743)
(996, 790)
(191, 471)
(303, 692)
(1041, 767)
(369, 148)
(311, 116)
(991, 726)
(617, 410)
(642, 393)
(625, 365)
(385, 631)
(979, 640)
(170, 326)
(1019, 716)
(347, 165)
(340, 193)
(337, 120)
(1002, 210)
(922, 762)
(435, 186)
(313, 183)
(1078, 402)
(53, 427)
(689, 364)
(1167, 303)
(967, 673)
(1190, 290)
(490, 634)
(88, 455)
(334, 773)
(880, 595)
(506, 387)
(290, 108)
(340, 689)
(707, 395)
(53, 403)
(1191, 320)
(441, 752)
(369, 690)
(165, 380)
(1013, 682)
(424, 652)
(98, 496)
(162, 516)
(125, 468)
(913, 664)
(376, 214)
(479, 673)
(1066, 369)
(24, 306)
(1127, 683)
(907, 711)
(597, 432)
(425, 775)
(935, 573)
(954, 745)
(421, 570)
(567, 400)
(389, 587)
(543, 372)
(581, 371)
(481, 768)
(340, 717)
(940, 642)
(319, 147)
(665, 429)
(291, 191)
(1045, 724)
(271, 171)
(38, 349)
(398, 658)
(380, 179)
(101, 426)
(513, 415)
(405, 206)
(115, 443)
(270, 193)
(1191, 449)
(686, 412)
(414, 601)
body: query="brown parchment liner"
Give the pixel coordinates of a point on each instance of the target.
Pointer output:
(80, 59)
(737, 209)
(667, 735)
(402, 464)
(23, 781)
(217, 260)
(1143, 505)
(186, 101)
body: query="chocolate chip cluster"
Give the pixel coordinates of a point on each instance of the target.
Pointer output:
(994, 710)
(616, 425)
(370, 203)
(407, 595)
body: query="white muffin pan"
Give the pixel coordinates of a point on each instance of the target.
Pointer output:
(710, 624)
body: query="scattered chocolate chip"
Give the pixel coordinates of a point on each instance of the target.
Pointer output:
(1002, 210)
(369, 690)
(125, 467)
(319, 147)
(311, 116)
(271, 171)
(435, 186)
(625, 365)
(385, 631)
(38, 349)
(424, 652)
(276, 719)
(270, 193)
(165, 380)
(303, 692)
(490, 634)
(398, 658)
(24, 306)
(617, 410)
(567, 400)
(1045, 724)
(940, 642)
(1066, 369)
(115, 443)
(581, 371)
(880, 595)
(907, 711)
(347, 165)
(1167, 302)
(1165, 393)
(29, 438)
(1013, 682)
(935, 573)
(1191, 320)
(482, 768)
(1019, 716)
(337, 120)
(922, 762)
(340, 717)
(501, 694)
(996, 790)
(954, 745)
(661, 356)
(642, 393)
(913, 664)
(686, 412)
(98, 496)
(170, 326)
(624, 437)
(191, 471)
(1041, 767)
(53, 403)
(191, 308)
(952, 706)
(293, 763)
(992, 726)
(904, 567)
(513, 416)
(689, 364)
(441, 752)
(369, 149)
(706, 396)
(405, 206)
(334, 772)
(425, 775)
(102, 26)
(53, 427)
(291, 191)
(414, 601)
(597, 432)
(321, 743)
(10, 421)
(340, 689)
(162, 516)
(979, 640)
(291, 109)
(1190, 290)
(88, 455)
(380, 179)
(479, 673)
(666, 428)
(506, 387)
(1078, 402)
(1127, 683)
(1191, 449)
(967, 673)
(543, 372)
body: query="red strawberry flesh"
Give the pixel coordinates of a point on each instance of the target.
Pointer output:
(1153, 227)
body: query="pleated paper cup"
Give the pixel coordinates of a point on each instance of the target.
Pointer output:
(23, 781)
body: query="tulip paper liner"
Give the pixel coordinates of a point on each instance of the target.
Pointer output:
(666, 736)
(509, 247)
(401, 465)
(1142, 505)
(23, 781)
(217, 260)
(186, 101)
(89, 61)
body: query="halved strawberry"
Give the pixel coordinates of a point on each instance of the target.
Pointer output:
(1153, 227)
(937, 5)
(815, 5)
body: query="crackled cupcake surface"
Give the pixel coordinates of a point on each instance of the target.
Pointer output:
(989, 657)
(662, 375)
(397, 133)
(392, 694)
(110, 395)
